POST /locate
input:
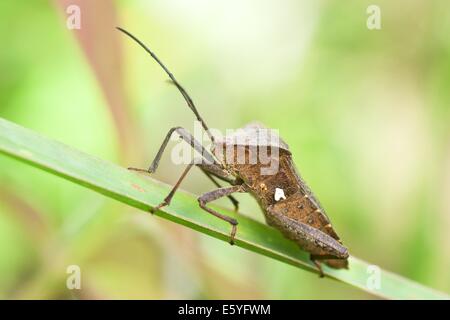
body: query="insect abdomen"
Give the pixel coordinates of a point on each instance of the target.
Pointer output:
(300, 207)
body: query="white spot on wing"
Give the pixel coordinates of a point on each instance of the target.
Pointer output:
(279, 194)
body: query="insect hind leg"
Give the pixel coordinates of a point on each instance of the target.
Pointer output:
(329, 260)
(318, 266)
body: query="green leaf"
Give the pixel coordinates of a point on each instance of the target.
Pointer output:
(143, 192)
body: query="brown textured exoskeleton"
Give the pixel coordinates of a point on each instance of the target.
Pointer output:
(288, 204)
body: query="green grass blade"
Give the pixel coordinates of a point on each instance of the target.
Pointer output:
(143, 192)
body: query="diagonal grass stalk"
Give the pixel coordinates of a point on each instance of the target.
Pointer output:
(143, 193)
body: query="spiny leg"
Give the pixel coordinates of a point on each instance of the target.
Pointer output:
(186, 136)
(216, 194)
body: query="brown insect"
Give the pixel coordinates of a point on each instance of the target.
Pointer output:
(287, 202)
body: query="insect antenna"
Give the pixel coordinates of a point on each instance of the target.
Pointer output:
(186, 96)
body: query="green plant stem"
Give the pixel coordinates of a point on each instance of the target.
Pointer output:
(142, 192)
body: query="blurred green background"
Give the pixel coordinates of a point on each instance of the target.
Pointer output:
(365, 112)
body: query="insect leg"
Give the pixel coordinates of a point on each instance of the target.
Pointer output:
(211, 175)
(330, 260)
(216, 194)
(205, 168)
(318, 266)
(169, 197)
(217, 171)
(186, 136)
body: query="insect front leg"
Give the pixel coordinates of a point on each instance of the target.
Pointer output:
(186, 136)
(169, 197)
(210, 168)
(216, 194)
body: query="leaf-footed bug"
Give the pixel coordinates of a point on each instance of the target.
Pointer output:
(285, 199)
